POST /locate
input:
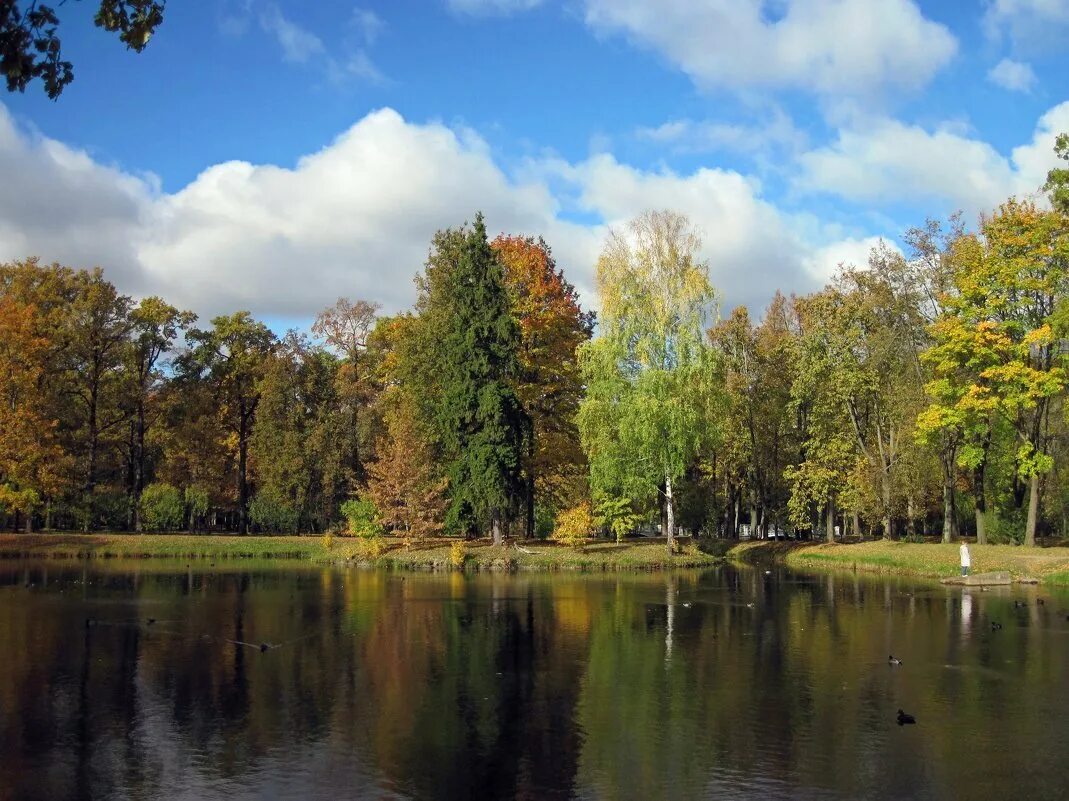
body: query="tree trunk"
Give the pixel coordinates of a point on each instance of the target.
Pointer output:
(531, 484)
(911, 513)
(753, 521)
(495, 527)
(885, 492)
(139, 465)
(981, 503)
(830, 522)
(1033, 510)
(669, 513)
(29, 521)
(243, 482)
(856, 523)
(91, 468)
(948, 510)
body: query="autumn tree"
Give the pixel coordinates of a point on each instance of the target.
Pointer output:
(98, 327)
(345, 328)
(297, 450)
(758, 364)
(155, 326)
(229, 357)
(31, 458)
(649, 373)
(1020, 286)
(403, 483)
(856, 349)
(552, 326)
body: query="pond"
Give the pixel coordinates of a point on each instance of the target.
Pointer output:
(154, 680)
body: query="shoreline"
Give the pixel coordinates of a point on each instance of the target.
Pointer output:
(1045, 565)
(479, 555)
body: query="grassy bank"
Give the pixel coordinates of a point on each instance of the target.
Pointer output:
(932, 560)
(478, 555)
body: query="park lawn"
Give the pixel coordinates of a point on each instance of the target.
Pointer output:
(935, 560)
(479, 555)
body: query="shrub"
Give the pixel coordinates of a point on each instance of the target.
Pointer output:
(328, 541)
(162, 508)
(617, 515)
(269, 513)
(198, 502)
(574, 525)
(370, 547)
(362, 517)
(1006, 528)
(458, 554)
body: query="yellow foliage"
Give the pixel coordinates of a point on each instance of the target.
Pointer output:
(458, 554)
(574, 525)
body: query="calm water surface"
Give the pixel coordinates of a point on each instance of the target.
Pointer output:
(722, 684)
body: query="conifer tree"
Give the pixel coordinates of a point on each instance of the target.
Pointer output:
(478, 415)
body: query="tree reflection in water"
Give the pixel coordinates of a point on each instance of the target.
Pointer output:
(727, 682)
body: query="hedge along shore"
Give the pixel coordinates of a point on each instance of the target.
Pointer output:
(432, 555)
(924, 560)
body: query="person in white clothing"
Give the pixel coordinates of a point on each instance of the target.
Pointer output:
(966, 560)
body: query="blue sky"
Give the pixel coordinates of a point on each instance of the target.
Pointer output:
(273, 155)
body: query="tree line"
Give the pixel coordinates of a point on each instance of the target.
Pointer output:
(920, 393)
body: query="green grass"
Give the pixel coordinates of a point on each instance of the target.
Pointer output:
(482, 555)
(935, 560)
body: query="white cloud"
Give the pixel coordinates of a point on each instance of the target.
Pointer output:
(60, 204)
(824, 263)
(492, 7)
(298, 45)
(833, 47)
(356, 219)
(1028, 24)
(752, 247)
(1015, 76)
(692, 136)
(887, 161)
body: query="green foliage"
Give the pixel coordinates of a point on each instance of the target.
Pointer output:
(617, 515)
(468, 341)
(30, 47)
(1057, 185)
(362, 517)
(162, 508)
(198, 502)
(270, 513)
(652, 392)
(544, 517)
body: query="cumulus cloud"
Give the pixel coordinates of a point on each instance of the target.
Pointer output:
(1028, 24)
(61, 204)
(833, 47)
(887, 161)
(1015, 76)
(823, 263)
(356, 219)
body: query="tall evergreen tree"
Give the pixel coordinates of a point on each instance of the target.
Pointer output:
(479, 416)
